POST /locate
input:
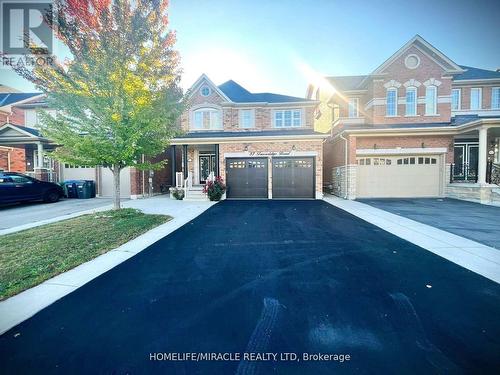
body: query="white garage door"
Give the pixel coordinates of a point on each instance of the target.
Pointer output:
(107, 183)
(399, 176)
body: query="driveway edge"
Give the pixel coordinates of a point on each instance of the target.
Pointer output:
(24, 305)
(474, 256)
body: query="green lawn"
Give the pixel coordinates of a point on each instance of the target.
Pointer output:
(32, 256)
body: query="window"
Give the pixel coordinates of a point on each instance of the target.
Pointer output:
(475, 98)
(207, 118)
(353, 107)
(20, 179)
(455, 99)
(495, 98)
(287, 118)
(431, 100)
(411, 101)
(205, 91)
(247, 118)
(392, 102)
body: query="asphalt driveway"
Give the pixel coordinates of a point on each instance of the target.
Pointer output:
(269, 276)
(20, 214)
(471, 220)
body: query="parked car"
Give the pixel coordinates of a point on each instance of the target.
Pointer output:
(16, 187)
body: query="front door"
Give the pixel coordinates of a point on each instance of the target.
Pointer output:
(207, 166)
(466, 161)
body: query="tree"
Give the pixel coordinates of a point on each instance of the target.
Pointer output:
(118, 99)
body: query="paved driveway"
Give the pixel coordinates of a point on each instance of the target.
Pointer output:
(269, 276)
(471, 220)
(26, 213)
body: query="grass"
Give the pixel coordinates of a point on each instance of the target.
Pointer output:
(32, 256)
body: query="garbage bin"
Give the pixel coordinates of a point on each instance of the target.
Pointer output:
(85, 189)
(70, 189)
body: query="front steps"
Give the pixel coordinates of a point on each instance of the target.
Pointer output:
(195, 193)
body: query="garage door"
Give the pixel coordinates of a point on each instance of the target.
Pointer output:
(246, 178)
(408, 176)
(293, 177)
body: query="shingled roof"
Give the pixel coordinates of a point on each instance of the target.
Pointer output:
(239, 94)
(476, 73)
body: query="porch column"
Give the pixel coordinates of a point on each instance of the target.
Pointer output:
(483, 145)
(172, 150)
(185, 160)
(217, 172)
(40, 155)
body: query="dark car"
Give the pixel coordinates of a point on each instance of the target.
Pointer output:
(16, 187)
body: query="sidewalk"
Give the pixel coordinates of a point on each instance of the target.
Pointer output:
(476, 257)
(20, 307)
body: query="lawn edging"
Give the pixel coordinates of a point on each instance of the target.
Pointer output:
(24, 305)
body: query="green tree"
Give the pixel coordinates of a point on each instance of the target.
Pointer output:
(118, 98)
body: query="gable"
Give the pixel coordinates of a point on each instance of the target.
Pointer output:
(420, 47)
(197, 96)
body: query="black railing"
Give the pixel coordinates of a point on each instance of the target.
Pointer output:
(463, 173)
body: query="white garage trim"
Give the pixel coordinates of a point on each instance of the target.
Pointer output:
(402, 151)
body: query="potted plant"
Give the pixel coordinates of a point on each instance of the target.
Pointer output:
(215, 189)
(177, 193)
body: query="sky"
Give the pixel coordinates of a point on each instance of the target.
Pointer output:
(279, 45)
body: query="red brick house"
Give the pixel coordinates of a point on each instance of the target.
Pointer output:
(262, 144)
(419, 125)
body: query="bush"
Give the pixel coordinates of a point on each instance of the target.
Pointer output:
(178, 194)
(215, 189)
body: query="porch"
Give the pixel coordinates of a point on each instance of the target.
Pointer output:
(475, 173)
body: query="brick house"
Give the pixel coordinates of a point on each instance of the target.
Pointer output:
(262, 144)
(417, 126)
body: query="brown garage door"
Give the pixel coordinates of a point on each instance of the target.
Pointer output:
(246, 178)
(293, 177)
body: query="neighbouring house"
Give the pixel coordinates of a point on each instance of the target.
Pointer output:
(419, 125)
(262, 144)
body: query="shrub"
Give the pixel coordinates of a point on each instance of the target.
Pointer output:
(215, 189)
(178, 194)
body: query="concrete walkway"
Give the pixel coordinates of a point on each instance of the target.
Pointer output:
(476, 257)
(18, 308)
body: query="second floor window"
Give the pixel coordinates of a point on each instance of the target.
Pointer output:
(475, 98)
(207, 118)
(411, 101)
(431, 100)
(392, 102)
(247, 118)
(455, 99)
(287, 118)
(353, 107)
(495, 98)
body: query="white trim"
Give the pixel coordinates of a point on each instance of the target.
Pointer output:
(248, 154)
(352, 120)
(240, 118)
(479, 112)
(292, 109)
(205, 107)
(444, 99)
(194, 87)
(414, 113)
(435, 100)
(412, 55)
(412, 83)
(480, 98)
(254, 139)
(349, 107)
(391, 89)
(432, 82)
(491, 103)
(392, 84)
(402, 151)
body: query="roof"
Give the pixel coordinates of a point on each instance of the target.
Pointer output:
(35, 132)
(476, 73)
(14, 97)
(346, 83)
(239, 94)
(270, 133)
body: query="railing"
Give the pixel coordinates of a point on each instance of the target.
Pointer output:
(51, 175)
(463, 173)
(187, 185)
(493, 173)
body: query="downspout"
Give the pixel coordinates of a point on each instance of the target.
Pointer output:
(143, 178)
(346, 179)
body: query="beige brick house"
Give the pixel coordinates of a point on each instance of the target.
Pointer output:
(263, 145)
(419, 125)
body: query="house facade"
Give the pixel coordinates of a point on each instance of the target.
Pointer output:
(263, 145)
(419, 125)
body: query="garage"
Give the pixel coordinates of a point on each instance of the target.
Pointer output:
(293, 177)
(246, 178)
(399, 176)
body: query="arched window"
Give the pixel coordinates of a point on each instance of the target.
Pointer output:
(392, 102)
(207, 119)
(431, 100)
(411, 101)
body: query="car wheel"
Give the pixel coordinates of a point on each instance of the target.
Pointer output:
(51, 196)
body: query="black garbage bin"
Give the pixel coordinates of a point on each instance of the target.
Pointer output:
(70, 188)
(85, 189)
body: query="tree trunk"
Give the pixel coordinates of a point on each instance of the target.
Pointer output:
(116, 186)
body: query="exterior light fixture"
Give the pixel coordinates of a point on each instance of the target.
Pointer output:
(293, 148)
(246, 148)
